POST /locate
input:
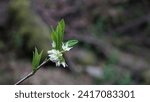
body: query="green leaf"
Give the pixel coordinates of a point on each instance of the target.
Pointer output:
(54, 36)
(36, 59)
(71, 43)
(60, 33)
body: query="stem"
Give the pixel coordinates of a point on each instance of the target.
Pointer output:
(31, 73)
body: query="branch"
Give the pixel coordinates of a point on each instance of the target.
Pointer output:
(31, 73)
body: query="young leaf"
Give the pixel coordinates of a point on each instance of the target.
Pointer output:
(54, 36)
(71, 43)
(60, 33)
(62, 24)
(36, 59)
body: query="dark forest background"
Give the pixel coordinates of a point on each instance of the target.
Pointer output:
(114, 44)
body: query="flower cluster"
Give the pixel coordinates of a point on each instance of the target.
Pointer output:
(57, 56)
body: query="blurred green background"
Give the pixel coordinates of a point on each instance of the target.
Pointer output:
(114, 41)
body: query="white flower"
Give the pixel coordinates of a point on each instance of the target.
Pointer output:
(57, 57)
(54, 55)
(58, 63)
(64, 64)
(65, 47)
(53, 44)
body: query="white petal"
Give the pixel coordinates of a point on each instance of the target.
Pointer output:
(51, 51)
(65, 47)
(64, 64)
(58, 63)
(53, 44)
(53, 59)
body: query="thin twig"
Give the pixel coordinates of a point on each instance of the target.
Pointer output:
(31, 73)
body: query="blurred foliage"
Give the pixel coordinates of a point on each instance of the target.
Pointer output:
(111, 75)
(28, 26)
(100, 27)
(17, 40)
(1, 45)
